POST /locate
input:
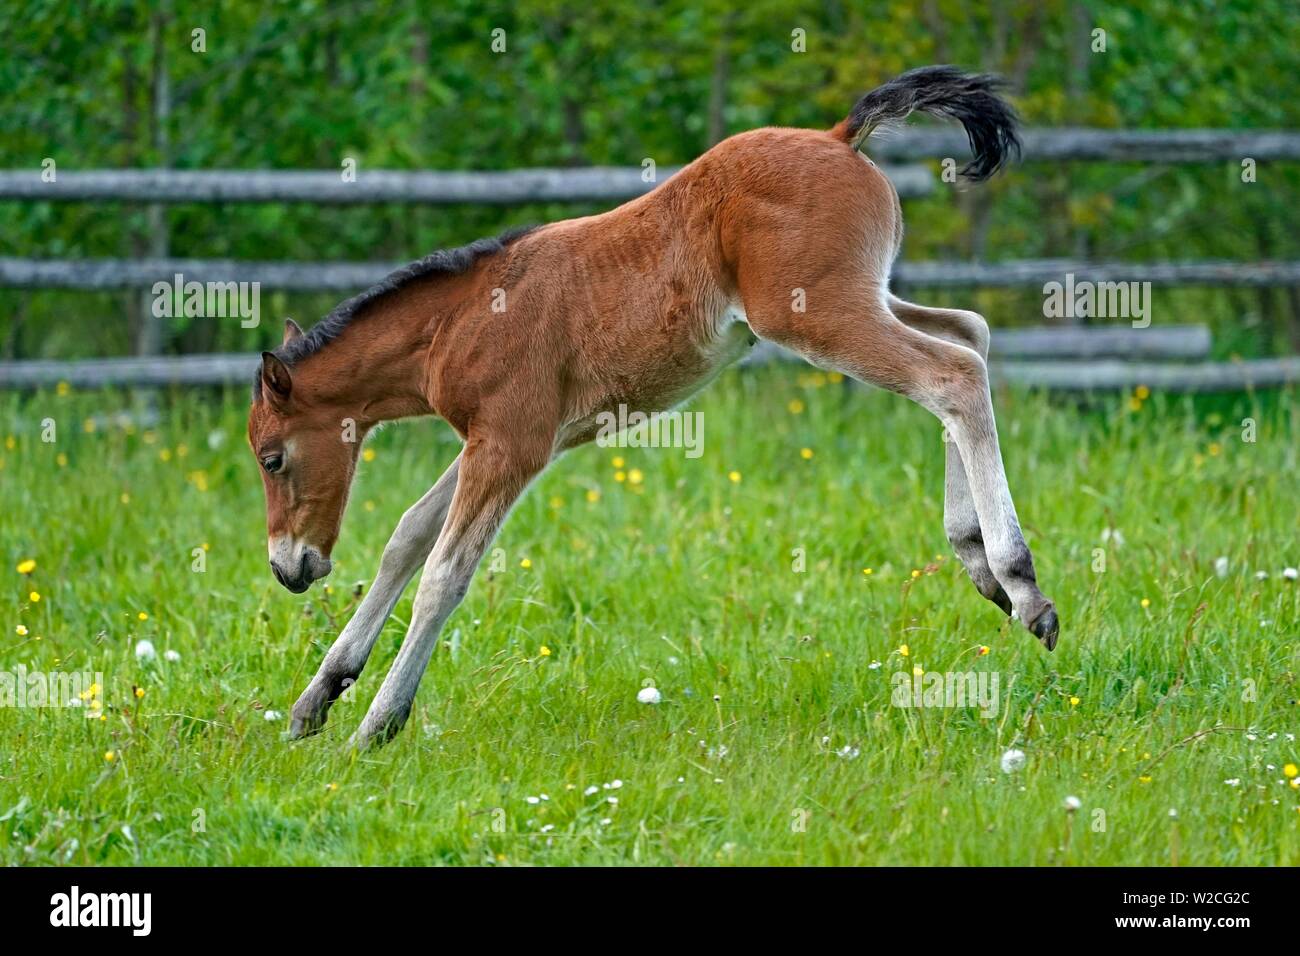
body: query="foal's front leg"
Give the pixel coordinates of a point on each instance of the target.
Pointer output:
(492, 476)
(406, 550)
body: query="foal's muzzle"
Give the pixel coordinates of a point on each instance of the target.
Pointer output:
(298, 575)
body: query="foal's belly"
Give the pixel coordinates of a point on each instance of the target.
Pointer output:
(670, 377)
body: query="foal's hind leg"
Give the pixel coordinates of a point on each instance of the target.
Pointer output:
(960, 520)
(849, 327)
(493, 473)
(406, 550)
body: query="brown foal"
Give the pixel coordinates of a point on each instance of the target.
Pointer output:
(520, 343)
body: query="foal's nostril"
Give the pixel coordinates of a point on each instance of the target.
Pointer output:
(279, 575)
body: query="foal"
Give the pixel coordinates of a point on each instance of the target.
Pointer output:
(520, 343)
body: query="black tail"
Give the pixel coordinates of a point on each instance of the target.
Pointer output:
(970, 98)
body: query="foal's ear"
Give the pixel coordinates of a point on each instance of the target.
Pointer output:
(292, 330)
(276, 381)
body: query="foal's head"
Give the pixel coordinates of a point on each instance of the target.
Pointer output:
(307, 453)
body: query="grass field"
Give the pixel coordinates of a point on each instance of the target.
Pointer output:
(1169, 708)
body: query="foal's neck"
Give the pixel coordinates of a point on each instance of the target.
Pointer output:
(374, 370)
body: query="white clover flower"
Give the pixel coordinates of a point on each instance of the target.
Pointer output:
(1221, 567)
(1261, 575)
(1233, 781)
(1290, 574)
(649, 695)
(172, 656)
(1012, 760)
(1072, 804)
(590, 790)
(1173, 813)
(271, 715)
(144, 650)
(533, 800)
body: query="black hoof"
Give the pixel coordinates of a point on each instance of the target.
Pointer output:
(1046, 628)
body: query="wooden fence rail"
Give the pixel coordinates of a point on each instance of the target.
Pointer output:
(91, 274)
(1084, 359)
(510, 187)
(608, 183)
(1114, 145)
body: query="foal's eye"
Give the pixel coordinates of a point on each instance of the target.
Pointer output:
(272, 463)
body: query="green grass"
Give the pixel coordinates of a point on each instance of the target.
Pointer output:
(685, 580)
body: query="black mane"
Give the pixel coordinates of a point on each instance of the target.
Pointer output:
(450, 262)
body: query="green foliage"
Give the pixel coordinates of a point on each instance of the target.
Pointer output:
(406, 85)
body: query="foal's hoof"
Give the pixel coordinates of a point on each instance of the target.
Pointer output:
(300, 727)
(378, 728)
(1046, 627)
(309, 714)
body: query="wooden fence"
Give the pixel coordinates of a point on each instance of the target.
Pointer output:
(1023, 356)
(1071, 359)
